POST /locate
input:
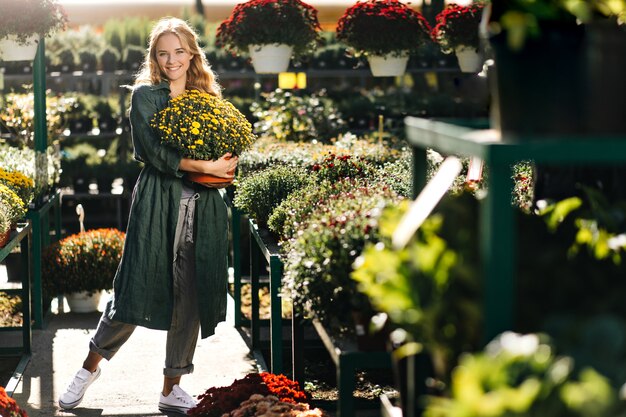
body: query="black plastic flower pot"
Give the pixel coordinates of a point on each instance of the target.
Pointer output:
(538, 90)
(605, 65)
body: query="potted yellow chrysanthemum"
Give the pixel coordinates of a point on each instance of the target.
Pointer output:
(203, 126)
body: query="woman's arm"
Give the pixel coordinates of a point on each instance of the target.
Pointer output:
(147, 145)
(223, 167)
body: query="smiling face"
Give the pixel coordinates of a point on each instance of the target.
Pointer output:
(173, 58)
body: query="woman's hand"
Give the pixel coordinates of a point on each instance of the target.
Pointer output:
(226, 164)
(224, 167)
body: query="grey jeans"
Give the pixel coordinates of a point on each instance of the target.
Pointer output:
(183, 333)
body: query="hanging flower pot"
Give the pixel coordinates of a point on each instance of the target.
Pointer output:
(23, 22)
(83, 302)
(386, 31)
(457, 31)
(12, 50)
(470, 60)
(270, 58)
(255, 23)
(388, 65)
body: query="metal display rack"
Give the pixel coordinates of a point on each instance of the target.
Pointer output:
(498, 234)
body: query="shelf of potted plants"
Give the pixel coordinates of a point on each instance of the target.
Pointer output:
(23, 23)
(386, 32)
(270, 31)
(21, 236)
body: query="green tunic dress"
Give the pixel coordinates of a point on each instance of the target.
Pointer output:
(143, 281)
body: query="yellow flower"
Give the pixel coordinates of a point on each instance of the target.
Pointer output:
(202, 126)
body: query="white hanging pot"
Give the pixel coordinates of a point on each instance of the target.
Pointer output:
(469, 59)
(11, 50)
(271, 58)
(388, 65)
(83, 302)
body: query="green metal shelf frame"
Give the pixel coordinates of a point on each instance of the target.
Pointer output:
(22, 237)
(264, 246)
(499, 152)
(40, 220)
(348, 359)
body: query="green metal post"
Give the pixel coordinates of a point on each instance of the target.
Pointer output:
(26, 305)
(346, 384)
(276, 321)
(297, 345)
(41, 144)
(57, 217)
(236, 230)
(39, 91)
(498, 241)
(419, 170)
(255, 321)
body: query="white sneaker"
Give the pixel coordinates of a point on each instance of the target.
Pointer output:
(74, 393)
(178, 401)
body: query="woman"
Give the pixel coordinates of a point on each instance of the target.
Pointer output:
(173, 271)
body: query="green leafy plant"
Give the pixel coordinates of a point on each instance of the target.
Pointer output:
(26, 18)
(300, 118)
(82, 262)
(88, 61)
(430, 288)
(65, 60)
(397, 174)
(260, 193)
(110, 59)
(121, 33)
(521, 20)
(458, 26)
(590, 10)
(18, 113)
(132, 57)
(293, 212)
(261, 22)
(520, 375)
(336, 167)
(601, 226)
(269, 151)
(523, 185)
(319, 258)
(381, 27)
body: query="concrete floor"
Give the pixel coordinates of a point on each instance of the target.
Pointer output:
(131, 382)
